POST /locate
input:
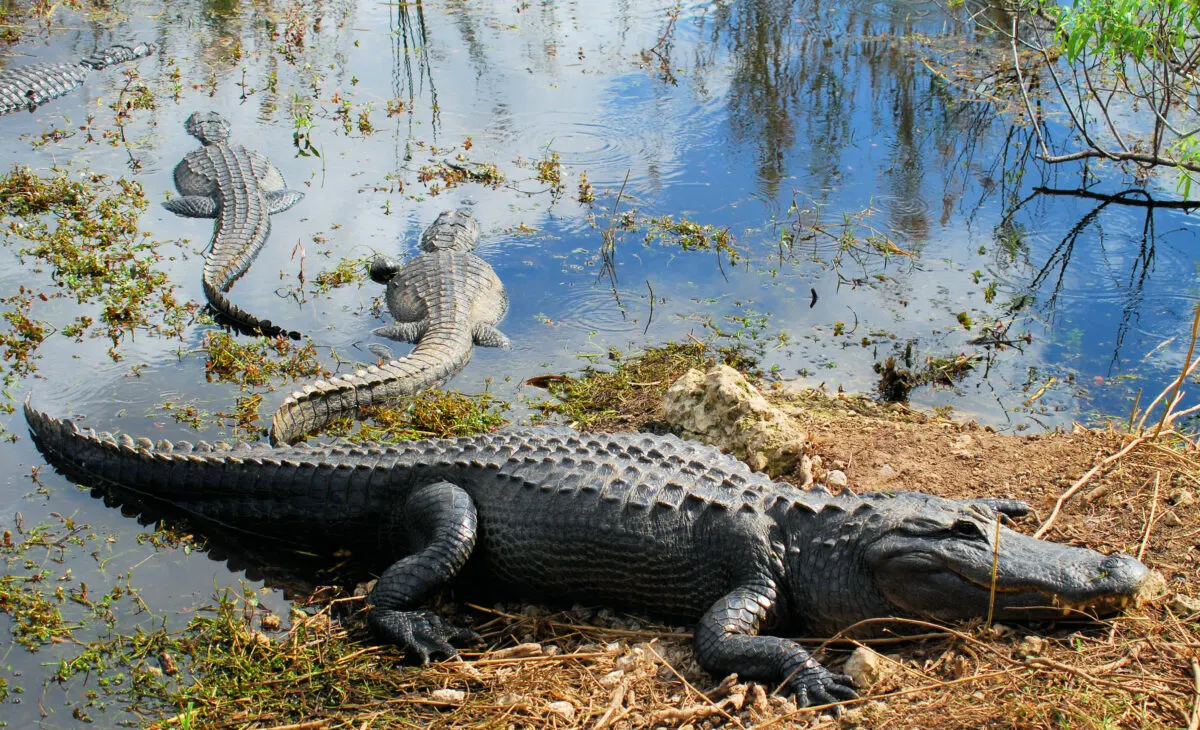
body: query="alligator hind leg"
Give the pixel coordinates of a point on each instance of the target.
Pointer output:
(486, 335)
(403, 331)
(192, 206)
(437, 524)
(280, 200)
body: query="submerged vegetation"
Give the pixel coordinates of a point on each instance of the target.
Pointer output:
(258, 361)
(82, 233)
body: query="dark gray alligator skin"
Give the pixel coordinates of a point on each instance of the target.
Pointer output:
(445, 299)
(241, 189)
(645, 522)
(28, 87)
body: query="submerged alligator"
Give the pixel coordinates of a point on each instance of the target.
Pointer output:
(28, 87)
(445, 299)
(651, 523)
(241, 189)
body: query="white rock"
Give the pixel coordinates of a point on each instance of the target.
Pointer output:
(563, 709)
(721, 408)
(1183, 605)
(866, 667)
(887, 472)
(836, 478)
(449, 696)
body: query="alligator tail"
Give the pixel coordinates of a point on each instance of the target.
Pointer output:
(231, 314)
(118, 53)
(247, 488)
(435, 359)
(167, 471)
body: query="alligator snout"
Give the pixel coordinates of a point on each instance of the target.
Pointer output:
(1123, 573)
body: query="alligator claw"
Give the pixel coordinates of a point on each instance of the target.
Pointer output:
(422, 634)
(813, 684)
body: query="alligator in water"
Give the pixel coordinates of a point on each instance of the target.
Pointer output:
(445, 300)
(28, 87)
(240, 188)
(651, 523)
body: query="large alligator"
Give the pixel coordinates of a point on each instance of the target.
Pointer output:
(241, 189)
(28, 87)
(651, 523)
(445, 299)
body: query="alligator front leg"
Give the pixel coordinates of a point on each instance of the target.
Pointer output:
(437, 524)
(726, 642)
(382, 269)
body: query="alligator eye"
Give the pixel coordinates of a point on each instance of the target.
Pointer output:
(967, 530)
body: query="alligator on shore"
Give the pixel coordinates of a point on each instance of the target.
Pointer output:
(28, 87)
(645, 522)
(445, 300)
(241, 189)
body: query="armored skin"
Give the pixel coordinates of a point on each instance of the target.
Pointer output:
(28, 87)
(446, 299)
(645, 522)
(240, 189)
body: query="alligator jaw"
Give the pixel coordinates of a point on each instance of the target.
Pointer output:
(928, 570)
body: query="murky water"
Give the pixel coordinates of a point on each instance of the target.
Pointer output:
(797, 127)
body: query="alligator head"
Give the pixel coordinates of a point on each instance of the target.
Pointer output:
(454, 230)
(928, 557)
(208, 127)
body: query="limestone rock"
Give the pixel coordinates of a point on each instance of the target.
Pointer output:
(563, 709)
(721, 408)
(865, 667)
(449, 696)
(1183, 605)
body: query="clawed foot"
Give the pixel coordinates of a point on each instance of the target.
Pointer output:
(422, 634)
(813, 684)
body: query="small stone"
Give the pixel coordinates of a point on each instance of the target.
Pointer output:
(1183, 605)
(167, 662)
(837, 478)
(887, 473)
(612, 678)
(449, 696)
(563, 709)
(508, 700)
(999, 630)
(528, 649)
(1031, 646)
(1182, 497)
(866, 667)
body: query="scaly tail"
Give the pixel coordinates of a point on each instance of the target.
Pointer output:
(256, 489)
(436, 358)
(240, 319)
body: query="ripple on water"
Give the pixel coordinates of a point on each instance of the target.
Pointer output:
(907, 218)
(618, 137)
(588, 307)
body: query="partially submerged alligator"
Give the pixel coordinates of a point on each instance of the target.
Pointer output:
(241, 189)
(28, 87)
(652, 523)
(445, 300)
